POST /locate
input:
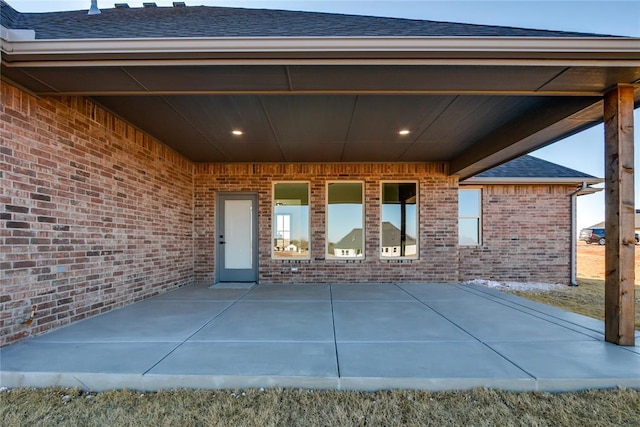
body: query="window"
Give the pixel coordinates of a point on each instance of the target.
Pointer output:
(469, 209)
(345, 220)
(283, 226)
(290, 220)
(399, 215)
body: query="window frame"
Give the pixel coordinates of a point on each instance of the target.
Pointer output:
(380, 221)
(478, 217)
(274, 217)
(363, 219)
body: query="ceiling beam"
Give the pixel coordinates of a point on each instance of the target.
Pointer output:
(528, 133)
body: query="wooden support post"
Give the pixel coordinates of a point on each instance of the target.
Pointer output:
(619, 217)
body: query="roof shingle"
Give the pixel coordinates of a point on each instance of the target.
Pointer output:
(532, 167)
(205, 21)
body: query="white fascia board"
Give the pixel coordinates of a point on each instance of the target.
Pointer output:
(573, 49)
(588, 191)
(530, 181)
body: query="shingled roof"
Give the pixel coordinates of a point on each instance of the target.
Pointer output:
(205, 21)
(533, 168)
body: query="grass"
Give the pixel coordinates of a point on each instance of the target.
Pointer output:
(587, 298)
(277, 407)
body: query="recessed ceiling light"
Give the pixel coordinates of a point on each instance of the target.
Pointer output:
(404, 132)
(237, 132)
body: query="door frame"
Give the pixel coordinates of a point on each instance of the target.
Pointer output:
(219, 227)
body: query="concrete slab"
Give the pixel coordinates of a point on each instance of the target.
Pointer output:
(93, 381)
(150, 321)
(374, 364)
(289, 293)
(271, 321)
(203, 293)
(490, 321)
(567, 363)
(435, 292)
(113, 358)
(538, 309)
(273, 359)
(393, 322)
(234, 285)
(635, 349)
(297, 336)
(351, 292)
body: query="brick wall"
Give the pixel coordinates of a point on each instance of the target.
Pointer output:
(526, 235)
(93, 213)
(437, 233)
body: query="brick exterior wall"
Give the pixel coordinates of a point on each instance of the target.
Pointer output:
(94, 214)
(438, 253)
(526, 235)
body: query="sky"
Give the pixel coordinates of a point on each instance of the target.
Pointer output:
(583, 151)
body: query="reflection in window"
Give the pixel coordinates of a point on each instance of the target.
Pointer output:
(399, 228)
(469, 208)
(345, 228)
(283, 226)
(291, 220)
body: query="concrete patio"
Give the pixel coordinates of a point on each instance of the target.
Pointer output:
(364, 337)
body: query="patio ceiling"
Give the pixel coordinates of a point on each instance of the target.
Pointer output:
(472, 107)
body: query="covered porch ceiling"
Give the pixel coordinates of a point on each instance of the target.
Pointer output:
(474, 103)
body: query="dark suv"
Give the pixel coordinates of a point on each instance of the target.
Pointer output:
(593, 235)
(596, 235)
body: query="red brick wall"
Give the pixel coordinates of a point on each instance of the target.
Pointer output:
(93, 213)
(437, 232)
(526, 235)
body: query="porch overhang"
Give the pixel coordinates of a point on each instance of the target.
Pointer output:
(472, 102)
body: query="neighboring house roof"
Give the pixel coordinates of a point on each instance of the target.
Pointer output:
(390, 238)
(352, 240)
(204, 21)
(528, 169)
(598, 225)
(602, 224)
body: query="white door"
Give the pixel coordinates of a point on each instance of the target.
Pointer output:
(236, 236)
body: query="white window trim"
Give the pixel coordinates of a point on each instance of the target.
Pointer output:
(326, 221)
(273, 220)
(479, 217)
(417, 236)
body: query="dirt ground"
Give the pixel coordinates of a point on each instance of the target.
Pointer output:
(591, 262)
